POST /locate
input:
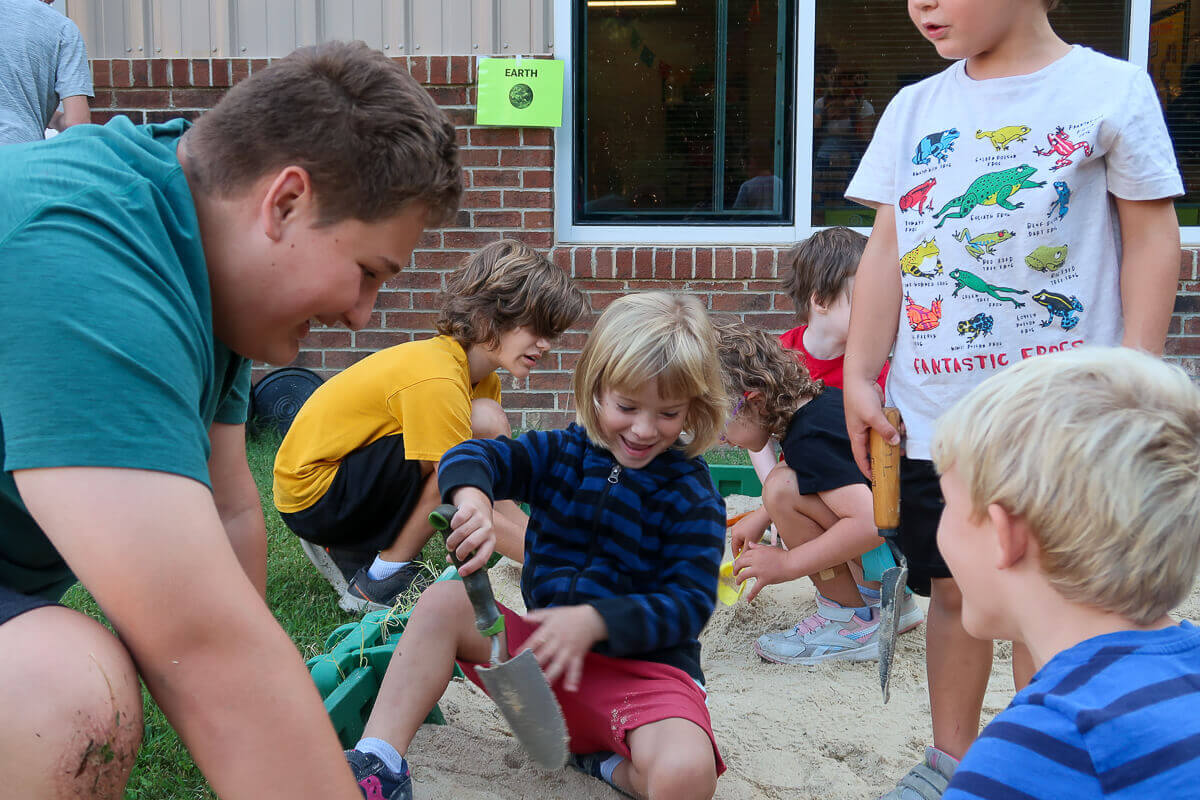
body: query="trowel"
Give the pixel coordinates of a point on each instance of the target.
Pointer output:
(885, 494)
(517, 685)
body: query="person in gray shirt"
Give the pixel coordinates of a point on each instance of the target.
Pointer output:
(42, 60)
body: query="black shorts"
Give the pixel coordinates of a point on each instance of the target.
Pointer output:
(13, 604)
(372, 495)
(921, 505)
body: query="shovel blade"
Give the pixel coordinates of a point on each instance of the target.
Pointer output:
(893, 582)
(519, 688)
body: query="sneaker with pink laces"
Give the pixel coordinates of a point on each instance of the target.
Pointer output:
(833, 633)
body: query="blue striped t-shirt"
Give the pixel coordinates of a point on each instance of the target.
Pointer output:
(1115, 716)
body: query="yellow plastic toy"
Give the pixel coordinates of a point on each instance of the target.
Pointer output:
(728, 592)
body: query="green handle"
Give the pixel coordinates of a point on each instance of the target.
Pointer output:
(488, 619)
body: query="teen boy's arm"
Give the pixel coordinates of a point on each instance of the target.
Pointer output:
(1149, 270)
(874, 317)
(237, 501)
(151, 548)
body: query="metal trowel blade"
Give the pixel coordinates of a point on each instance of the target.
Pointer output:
(518, 686)
(894, 579)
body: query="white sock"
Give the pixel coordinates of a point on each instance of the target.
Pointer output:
(609, 766)
(381, 569)
(390, 757)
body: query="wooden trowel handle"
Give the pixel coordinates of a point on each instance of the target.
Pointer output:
(885, 476)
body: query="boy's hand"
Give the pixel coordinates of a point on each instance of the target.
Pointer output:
(472, 529)
(863, 400)
(764, 563)
(564, 636)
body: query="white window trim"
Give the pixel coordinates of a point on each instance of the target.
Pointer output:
(568, 233)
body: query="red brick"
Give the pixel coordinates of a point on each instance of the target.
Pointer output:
(537, 178)
(537, 137)
(604, 262)
(1187, 265)
(460, 117)
(583, 267)
(764, 262)
(741, 302)
(340, 359)
(101, 115)
(543, 157)
(541, 240)
(520, 199)
(142, 98)
(498, 219)
(495, 137)
(160, 72)
(600, 284)
(196, 98)
(723, 263)
(327, 338)
(101, 72)
(539, 219)
(704, 263)
(664, 261)
(201, 72)
(560, 381)
(421, 279)
(460, 137)
(394, 300)
(783, 302)
(312, 359)
(426, 301)
(472, 96)
(438, 259)
(1183, 346)
(412, 320)
(773, 321)
(448, 95)
(430, 240)
(484, 199)
(220, 72)
(1191, 325)
(120, 72)
(1174, 326)
(472, 240)
(139, 72)
(561, 256)
(460, 70)
(168, 114)
(181, 72)
(624, 263)
(743, 263)
(495, 177)
(479, 157)
(103, 99)
(259, 64)
(439, 70)
(378, 340)
(418, 67)
(239, 70)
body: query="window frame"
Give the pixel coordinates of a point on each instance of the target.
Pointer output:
(803, 96)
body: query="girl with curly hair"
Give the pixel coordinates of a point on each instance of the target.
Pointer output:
(817, 497)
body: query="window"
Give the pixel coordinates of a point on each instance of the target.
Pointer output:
(679, 109)
(684, 112)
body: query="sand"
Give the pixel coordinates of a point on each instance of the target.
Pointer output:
(784, 731)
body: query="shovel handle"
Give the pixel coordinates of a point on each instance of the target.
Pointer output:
(488, 619)
(885, 477)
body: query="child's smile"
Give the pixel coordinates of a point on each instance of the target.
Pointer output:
(638, 424)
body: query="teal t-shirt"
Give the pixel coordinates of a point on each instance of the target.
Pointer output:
(107, 353)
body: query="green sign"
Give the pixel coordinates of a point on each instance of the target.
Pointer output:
(520, 92)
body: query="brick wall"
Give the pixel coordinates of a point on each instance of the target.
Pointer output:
(509, 180)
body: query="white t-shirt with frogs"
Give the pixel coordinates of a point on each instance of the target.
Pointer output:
(1006, 225)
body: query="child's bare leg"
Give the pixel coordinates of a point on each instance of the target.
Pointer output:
(801, 518)
(71, 707)
(672, 758)
(958, 666)
(441, 628)
(1022, 665)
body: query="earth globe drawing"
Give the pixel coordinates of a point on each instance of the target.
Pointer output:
(520, 95)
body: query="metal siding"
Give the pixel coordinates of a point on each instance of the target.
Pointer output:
(273, 28)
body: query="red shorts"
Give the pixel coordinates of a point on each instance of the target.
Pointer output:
(615, 696)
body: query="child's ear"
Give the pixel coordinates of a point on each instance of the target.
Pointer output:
(815, 303)
(288, 197)
(1012, 536)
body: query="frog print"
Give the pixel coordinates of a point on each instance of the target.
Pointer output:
(976, 326)
(935, 145)
(1047, 258)
(984, 243)
(1059, 305)
(991, 189)
(1003, 137)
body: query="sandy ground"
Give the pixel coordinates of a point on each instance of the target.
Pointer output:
(784, 731)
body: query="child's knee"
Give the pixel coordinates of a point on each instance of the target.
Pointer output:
(684, 774)
(488, 420)
(780, 490)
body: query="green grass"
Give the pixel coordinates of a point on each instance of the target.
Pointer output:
(302, 602)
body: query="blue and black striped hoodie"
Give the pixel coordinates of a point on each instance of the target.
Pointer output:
(641, 546)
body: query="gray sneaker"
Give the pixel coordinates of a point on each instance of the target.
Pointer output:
(364, 593)
(337, 566)
(927, 780)
(833, 633)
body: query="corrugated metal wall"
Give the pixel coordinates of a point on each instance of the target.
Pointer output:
(271, 28)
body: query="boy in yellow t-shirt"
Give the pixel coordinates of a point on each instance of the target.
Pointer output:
(355, 477)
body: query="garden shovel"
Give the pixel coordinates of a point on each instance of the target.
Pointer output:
(517, 685)
(885, 492)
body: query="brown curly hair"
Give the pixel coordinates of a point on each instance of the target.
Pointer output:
(503, 286)
(753, 360)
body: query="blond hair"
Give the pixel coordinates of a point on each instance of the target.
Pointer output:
(661, 337)
(507, 285)
(821, 266)
(1098, 450)
(754, 361)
